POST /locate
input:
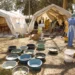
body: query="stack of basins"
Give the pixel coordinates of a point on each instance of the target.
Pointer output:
(69, 54)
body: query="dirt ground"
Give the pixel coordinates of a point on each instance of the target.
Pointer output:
(54, 64)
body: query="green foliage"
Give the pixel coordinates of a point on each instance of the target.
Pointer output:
(19, 4)
(7, 4)
(44, 3)
(35, 5)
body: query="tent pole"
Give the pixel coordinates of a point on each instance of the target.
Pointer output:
(65, 4)
(29, 11)
(74, 1)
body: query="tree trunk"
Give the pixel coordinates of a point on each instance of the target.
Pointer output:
(74, 1)
(65, 4)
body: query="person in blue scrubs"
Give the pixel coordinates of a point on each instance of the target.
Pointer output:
(71, 31)
(70, 37)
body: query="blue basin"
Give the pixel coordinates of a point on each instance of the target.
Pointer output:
(24, 58)
(35, 64)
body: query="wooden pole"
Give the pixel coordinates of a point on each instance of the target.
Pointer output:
(65, 4)
(74, 1)
(29, 11)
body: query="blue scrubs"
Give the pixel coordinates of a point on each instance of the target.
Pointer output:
(71, 31)
(70, 37)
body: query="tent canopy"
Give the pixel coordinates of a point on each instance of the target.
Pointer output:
(15, 21)
(51, 12)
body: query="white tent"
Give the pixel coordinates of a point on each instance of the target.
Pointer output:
(14, 20)
(52, 11)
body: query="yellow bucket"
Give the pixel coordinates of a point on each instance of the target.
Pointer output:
(66, 39)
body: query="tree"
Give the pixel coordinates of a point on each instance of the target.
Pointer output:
(20, 4)
(33, 7)
(74, 1)
(44, 3)
(7, 4)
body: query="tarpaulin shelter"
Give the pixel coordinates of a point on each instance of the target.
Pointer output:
(52, 11)
(12, 22)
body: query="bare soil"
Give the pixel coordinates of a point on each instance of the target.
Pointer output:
(54, 64)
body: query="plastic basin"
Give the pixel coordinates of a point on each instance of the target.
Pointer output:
(10, 48)
(24, 48)
(31, 46)
(53, 50)
(30, 52)
(41, 46)
(69, 52)
(24, 58)
(20, 70)
(12, 57)
(40, 56)
(35, 64)
(16, 51)
(9, 64)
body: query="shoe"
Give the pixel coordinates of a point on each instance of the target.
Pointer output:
(71, 47)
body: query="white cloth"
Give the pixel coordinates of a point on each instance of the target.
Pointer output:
(42, 25)
(71, 27)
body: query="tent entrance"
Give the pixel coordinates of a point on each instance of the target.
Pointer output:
(53, 23)
(4, 29)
